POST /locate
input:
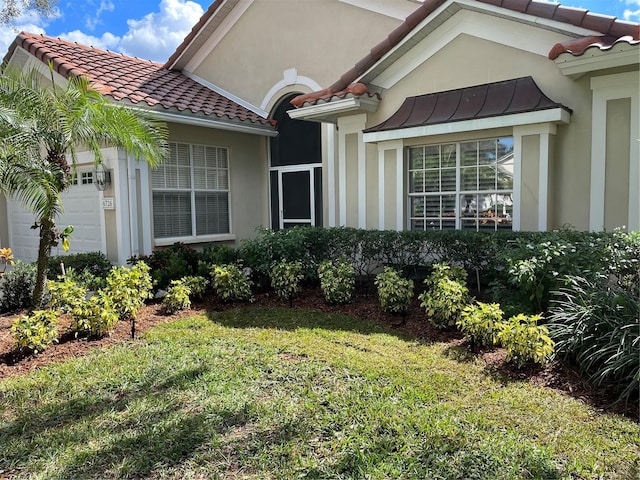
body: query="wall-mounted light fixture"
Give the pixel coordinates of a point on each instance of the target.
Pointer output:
(102, 178)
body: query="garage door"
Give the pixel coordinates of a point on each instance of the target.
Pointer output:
(81, 209)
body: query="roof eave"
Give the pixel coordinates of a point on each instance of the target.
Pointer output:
(556, 115)
(329, 112)
(594, 58)
(209, 122)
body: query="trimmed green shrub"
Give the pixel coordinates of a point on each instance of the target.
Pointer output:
(170, 263)
(285, 279)
(95, 317)
(95, 263)
(395, 293)
(16, 287)
(481, 323)
(446, 295)
(535, 264)
(230, 283)
(596, 327)
(337, 281)
(35, 332)
(525, 340)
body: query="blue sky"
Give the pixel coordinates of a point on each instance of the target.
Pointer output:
(152, 29)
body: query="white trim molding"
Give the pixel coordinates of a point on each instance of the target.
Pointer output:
(330, 111)
(211, 123)
(467, 17)
(226, 94)
(554, 115)
(593, 59)
(605, 88)
(289, 77)
(238, 7)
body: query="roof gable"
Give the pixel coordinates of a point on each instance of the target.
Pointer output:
(579, 23)
(135, 81)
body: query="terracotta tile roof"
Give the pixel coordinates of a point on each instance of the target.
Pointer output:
(579, 46)
(611, 28)
(520, 95)
(132, 79)
(327, 95)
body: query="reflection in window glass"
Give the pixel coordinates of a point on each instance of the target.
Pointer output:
(466, 185)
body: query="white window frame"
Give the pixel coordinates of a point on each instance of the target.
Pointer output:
(192, 190)
(457, 193)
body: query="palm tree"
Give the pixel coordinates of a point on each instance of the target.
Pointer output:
(43, 126)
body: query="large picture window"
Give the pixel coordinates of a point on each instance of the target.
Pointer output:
(464, 185)
(191, 192)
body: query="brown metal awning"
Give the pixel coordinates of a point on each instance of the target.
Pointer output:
(520, 95)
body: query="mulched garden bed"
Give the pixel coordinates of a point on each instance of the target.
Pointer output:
(555, 376)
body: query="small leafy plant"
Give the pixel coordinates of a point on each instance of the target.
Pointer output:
(128, 288)
(96, 316)
(395, 293)
(230, 283)
(337, 281)
(182, 291)
(285, 279)
(66, 295)
(525, 340)
(197, 285)
(480, 323)
(446, 295)
(35, 332)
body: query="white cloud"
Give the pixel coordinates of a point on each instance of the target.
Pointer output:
(107, 41)
(105, 6)
(28, 21)
(156, 35)
(631, 14)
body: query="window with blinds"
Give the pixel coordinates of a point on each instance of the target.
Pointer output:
(465, 185)
(191, 192)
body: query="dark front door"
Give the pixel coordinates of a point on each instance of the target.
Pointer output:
(296, 171)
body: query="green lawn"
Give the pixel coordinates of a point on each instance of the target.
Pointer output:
(281, 393)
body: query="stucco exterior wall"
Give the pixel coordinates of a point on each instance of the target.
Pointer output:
(4, 233)
(248, 173)
(467, 61)
(320, 38)
(616, 199)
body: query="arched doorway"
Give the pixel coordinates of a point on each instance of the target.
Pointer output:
(295, 170)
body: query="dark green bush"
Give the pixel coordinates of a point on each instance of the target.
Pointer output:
(16, 287)
(95, 263)
(171, 263)
(596, 325)
(533, 265)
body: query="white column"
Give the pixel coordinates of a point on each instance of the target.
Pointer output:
(381, 193)
(353, 124)
(543, 183)
(634, 165)
(605, 88)
(543, 131)
(331, 175)
(517, 177)
(121, 190)
(598, 156)
(400, 197)
(362, 182)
